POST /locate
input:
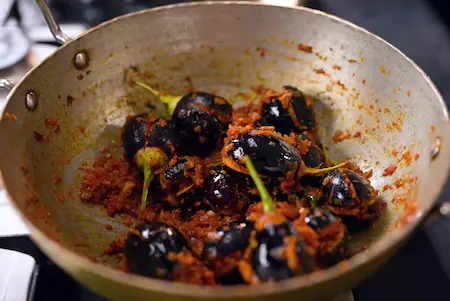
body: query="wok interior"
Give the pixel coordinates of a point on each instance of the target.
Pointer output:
(360, 83)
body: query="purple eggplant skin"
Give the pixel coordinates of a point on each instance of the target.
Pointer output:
(148, 249)
(266, 264)
(180, 184)
(321, 218)
(228, 239)
(298, 116)
(303, 110)
(200, 120)
(274, 114)
(144, 130)
(314, 158)
(338, 186)
(271, 156)
(134, 134)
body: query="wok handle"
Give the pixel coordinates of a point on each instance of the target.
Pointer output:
(59, 36)
(6, 85)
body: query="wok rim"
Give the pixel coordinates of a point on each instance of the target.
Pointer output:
(388, 242)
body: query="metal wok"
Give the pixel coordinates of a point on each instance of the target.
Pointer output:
(362, 84)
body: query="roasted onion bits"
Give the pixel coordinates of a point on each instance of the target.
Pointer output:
(276, 251)
(181, 179)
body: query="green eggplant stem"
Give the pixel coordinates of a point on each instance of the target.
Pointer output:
(170, 100)
(266, 199)
(148, 177)
(146, 158)
(314, 171)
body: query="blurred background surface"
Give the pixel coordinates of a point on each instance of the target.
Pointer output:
(419, 28)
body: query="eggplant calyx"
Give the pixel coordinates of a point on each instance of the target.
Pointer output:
(147, 160)
(314, 171)
(169, 100)
(266, 199)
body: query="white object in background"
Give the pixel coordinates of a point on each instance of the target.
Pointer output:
(5, 9)
(14, 45)
(16, 274)
(11, 223)
(30, 13)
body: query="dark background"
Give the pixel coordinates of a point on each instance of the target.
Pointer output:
(420, 28)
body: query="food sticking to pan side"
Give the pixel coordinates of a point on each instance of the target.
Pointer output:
(223, 196)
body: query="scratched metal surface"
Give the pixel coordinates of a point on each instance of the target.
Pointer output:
(362, 85)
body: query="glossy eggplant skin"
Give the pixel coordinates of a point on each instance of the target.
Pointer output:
(274, 114)
(268, 252)
(144, 130)
(320, 218)
(296, 114)
(332, 234)
(163, 137)
(271, 155)
(224, 191)
(361, 186)
(314, 158)
(177, 174)
(345, 188)
(181, 180)
(200, 121)
(134, 133)
(224, 248)
(302, 108)
(228, 239)
(149, 246)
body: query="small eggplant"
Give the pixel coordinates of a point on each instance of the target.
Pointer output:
(271, 154)
(134, 134)
(314, 158)
(332, 235)
(150, 249)
(346, 188)
(290, 112)
(226, 240)
(303, 109)
(320, 218)
(148, 142)
(222, 191)
(276, 115)
(276, 251)
(346, 192)
(180, 179)
(200, 119)
(223, 249)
